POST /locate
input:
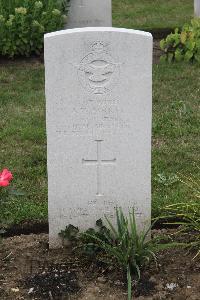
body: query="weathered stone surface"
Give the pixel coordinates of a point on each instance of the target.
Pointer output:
(89, 13)
(197, 8)
(98, 101)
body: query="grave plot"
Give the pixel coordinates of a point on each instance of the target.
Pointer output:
(99, 122)
(30, 271)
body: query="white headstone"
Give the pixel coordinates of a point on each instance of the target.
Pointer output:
(89, 13)
(197, 8)
(99, 98)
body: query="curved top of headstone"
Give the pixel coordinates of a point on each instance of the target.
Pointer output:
(97, 29)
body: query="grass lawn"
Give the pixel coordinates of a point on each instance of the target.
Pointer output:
(152, 14)
(176, 138)
(23, 139)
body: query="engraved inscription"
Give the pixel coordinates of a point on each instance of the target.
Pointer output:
(97, 71)
(93, 115)
(98, 163)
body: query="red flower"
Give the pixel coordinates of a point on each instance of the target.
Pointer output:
(5, 177)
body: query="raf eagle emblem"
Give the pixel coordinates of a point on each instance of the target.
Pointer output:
(97, 71)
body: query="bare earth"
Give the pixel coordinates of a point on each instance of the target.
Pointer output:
(29, 270)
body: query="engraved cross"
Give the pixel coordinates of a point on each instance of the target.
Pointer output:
(99, 162)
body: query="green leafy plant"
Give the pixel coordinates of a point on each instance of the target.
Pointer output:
(23, 24)
(121, 244)
(183, 45)
(64, 5)
(166, 180)
(72, 234)
(88, 244)
(130, 249)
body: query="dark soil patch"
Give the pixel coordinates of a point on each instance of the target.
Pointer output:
(161, 33)
(21, 60)
(29, 270)
(157, 52)
(27, 227)
(145, 287)
(37, 227)
(52, 282)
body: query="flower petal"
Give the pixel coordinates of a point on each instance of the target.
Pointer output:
(4, 183)
(6, 175)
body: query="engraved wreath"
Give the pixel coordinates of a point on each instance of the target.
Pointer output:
(97, 71)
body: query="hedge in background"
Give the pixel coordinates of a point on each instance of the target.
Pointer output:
(24, 22)
(184, 45)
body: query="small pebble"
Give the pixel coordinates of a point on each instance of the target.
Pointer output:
(101, 279)
(153, 279)
(97, 289)
(118, 283)
(171, 286)
(15, 290)
(30, 290)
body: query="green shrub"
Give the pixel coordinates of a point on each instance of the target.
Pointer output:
(24, 22)
(183, 45)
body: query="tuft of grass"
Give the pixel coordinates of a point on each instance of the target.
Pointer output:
(188, 213)
(152, 14)
(129, 249)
